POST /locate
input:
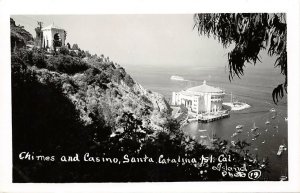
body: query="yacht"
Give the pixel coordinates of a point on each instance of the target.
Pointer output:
(239, 126)
(177, 78)
(267, 122)
(254, 128)
(281, 149)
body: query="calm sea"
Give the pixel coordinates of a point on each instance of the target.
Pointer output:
(254, 88)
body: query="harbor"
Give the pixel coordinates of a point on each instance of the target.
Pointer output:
(262, 126)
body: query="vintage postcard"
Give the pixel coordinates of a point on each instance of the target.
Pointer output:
(151, 97)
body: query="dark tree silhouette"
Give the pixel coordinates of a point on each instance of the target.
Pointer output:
(250, 33)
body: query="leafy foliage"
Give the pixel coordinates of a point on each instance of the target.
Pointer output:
(33, 57)
(19, 36)
(128, 80)
(66, 64)
(64, 50)
(250, 33)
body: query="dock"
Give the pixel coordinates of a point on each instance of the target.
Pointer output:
(206, 118)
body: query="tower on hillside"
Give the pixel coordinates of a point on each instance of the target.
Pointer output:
(53, 37)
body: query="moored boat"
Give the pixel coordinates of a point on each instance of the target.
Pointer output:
(254, 128)
(281, 149)
(239, 126)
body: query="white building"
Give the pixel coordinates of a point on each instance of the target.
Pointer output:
(200, 99)
(53, 34)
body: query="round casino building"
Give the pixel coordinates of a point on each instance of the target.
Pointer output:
(200, 99)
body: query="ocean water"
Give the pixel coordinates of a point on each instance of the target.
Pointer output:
(254, 88)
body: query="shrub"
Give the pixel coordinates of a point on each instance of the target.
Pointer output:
(95, 76)
(81, 54)
(66, 64)
(35, 57)
(128, 80)
(117, 76)
(25, 56)
(73, 54)
(145, 99)
(39, 60)
(64, 50)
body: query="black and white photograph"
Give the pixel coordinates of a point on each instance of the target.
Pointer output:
(197, 97)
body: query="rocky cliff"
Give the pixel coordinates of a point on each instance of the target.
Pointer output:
(112, 98)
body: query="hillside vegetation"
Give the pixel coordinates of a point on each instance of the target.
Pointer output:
(66, 104)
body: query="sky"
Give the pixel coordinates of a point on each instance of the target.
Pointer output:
(167, 40)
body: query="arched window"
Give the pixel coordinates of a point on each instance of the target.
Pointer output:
(57, 40)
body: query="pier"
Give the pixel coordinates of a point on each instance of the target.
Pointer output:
(206, 118)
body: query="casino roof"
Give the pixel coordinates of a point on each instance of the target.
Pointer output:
(204, 88)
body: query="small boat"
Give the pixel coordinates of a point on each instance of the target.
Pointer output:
(272, 110)
(239, 131)
(202, 130)
(253, 139)
(255, 149)
(276, 127)
(234, 134)
(263, 141)
(177, 78)
(281, 149)
(286, 119)
(203, 136)
(267, 122)
(239, 126)
(266, 130)
(254, 128)
(274, 117)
